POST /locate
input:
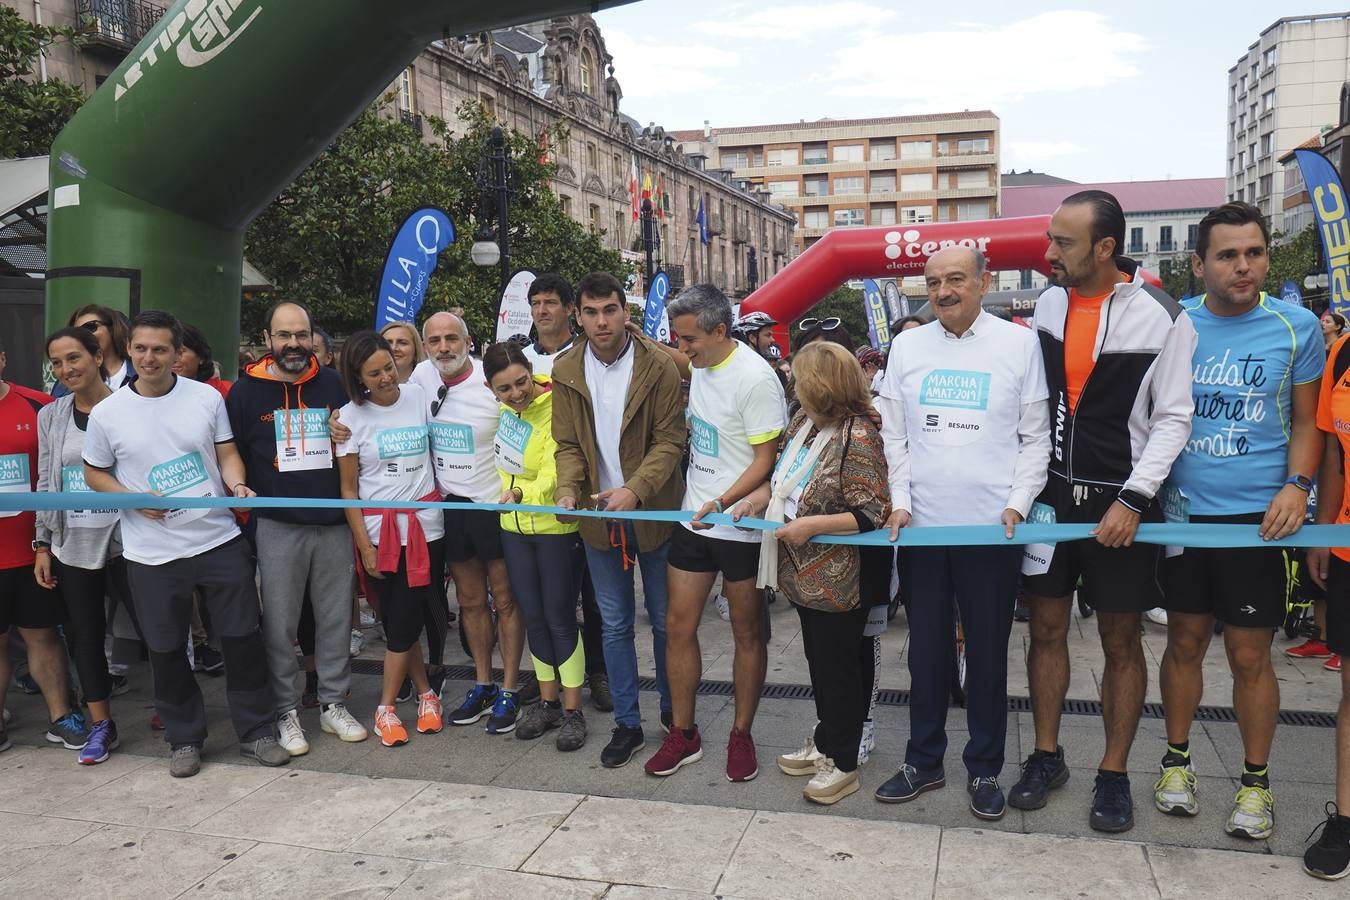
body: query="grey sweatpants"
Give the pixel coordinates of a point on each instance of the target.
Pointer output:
(291, 557)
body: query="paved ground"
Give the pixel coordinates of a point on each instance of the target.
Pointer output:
(524, 817)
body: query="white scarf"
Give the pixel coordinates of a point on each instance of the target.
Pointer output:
(782, 488)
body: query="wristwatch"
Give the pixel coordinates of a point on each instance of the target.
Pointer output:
(41, 545)
(1302, 482)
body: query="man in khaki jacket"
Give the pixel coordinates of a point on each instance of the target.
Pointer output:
(618, 418)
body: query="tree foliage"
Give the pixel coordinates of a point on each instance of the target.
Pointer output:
(323, 241)
(1290, 260)
(844, 302)
(32, 112)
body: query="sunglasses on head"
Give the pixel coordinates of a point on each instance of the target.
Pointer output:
(94, 325)
(829, 324)
(440, 399)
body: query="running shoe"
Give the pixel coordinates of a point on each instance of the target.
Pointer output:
(1333, 664)
(25, 683)
(1174, 792)
(1041, 773)
(336, 719)
(102, 742)
(1112, 806)
(504, 712)
(405, 691)
(803, 761)
(600, 695)
(4, 738)
(120, 685)
(478, 702)
(571, 731)
(290, 735)
(829, 785)
(70, 731)
(1329, 858)
(156, 723)
(623, 743)
(538, 719)
(1253, 813)
(266, 751)
(723, 608)
(1310, 649)
(676, 751)
(358, 642)
(206, 658)
(868, 742)
(429, 713)
(742, 762)
(1157, 615)
(528, 692)
(389, 727)
(367, 618)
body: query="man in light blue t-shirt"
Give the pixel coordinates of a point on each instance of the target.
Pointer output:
(1253, 450)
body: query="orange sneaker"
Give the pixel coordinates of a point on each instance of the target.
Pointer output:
(1333, 664)
(389, 727)
(429, 713)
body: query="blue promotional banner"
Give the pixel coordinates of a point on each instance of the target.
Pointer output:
(408, 267)
(1290, 293)
(1333, 223)
(654, 314)
(878, 318)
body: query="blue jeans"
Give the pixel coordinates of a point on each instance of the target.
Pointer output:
(617, 599)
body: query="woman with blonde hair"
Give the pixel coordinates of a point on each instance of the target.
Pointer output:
(406, 345)
(830, 478)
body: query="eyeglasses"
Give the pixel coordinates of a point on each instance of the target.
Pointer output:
(440, 399)
(94, 325)
(300, 337)
(829, 324)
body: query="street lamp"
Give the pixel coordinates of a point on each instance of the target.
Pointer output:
(486, 252)
(648, 238)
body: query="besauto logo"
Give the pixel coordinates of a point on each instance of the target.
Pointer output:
(908, 251)
(198, 33)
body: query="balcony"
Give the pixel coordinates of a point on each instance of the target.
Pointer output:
(115, 26)
(740, 233)
(1136, 249)
(411, 119)
(1168, 246)
(715, 225)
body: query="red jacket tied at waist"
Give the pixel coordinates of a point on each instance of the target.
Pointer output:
(419, 558)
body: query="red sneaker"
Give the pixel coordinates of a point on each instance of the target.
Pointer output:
(676, 751)
(1333, 664)
(742, 764)
(1309, 649)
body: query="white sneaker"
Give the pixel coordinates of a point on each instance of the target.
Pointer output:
(868, 742)
(358, 641)
(829, 784)
(336, 720)
(290, 735)
(1157, 616)
(803, 761)
(723, 608)
(367, 618)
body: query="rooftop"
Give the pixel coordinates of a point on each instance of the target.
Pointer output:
(695, 134)
(1134, 196)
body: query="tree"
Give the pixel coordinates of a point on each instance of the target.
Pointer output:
(32, 112)
(1293, 258)
(847, 304)
(324, 240)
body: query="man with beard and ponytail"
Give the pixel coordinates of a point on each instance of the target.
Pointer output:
(279, 414)
(464, 416)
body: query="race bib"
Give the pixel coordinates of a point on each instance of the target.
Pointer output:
(72, 481)
(303, 441)
(703, 437)
(15, 477)
(1036, 557)
(185, 476)
(513, 436)
(954, 405)
(1176, 507)
(452, 446)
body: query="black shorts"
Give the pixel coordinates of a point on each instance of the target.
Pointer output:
(471, 533)
(694, 552)
(1338, 606)
(1119, 579)
(27, 604)
(1243, 586)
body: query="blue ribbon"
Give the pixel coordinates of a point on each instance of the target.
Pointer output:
(1177, 534)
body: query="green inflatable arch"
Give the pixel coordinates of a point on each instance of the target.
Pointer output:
(220, 106)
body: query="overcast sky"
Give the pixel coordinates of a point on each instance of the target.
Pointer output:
(1127, 91)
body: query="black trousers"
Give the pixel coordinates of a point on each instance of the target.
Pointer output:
(832, 641)
(592, 627)
(163, 597)
(83, 591)
(403, 609)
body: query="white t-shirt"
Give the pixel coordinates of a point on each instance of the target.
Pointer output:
(165, 444)
(542, 363)
(609, 393)
(395, 463)
(462, 433)
(733, 406)
(962, 400)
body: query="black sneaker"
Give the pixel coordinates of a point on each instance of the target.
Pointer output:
(206, 658)
(120, 685)
(572, 731)
(70, 731)
(986, 798)
(909, 783)
(477, 703)
(1041, 773)
(504, 713)
(625, 742)
(667, 720)
(537, 719)
(1329, 858)
(528, 692)
(405, 691)
(600, 695)
(1112, 808)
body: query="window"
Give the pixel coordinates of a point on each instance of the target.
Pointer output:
(1266, 185)
(592, 157)
(407, 97)
(852, 184)
(779, 189)
(566, 202)
(916, 150)
(815, 154)
(967, 210)
(915, 215)
(883, 214)
(848, 153)
(963, 147)
(618, 229)
(587, 72)
(816, 217)
(1251, 153)
(1024, 282)
(847, 218)
(1192, 234)
(1267, 142)
(489, 104)
(1239, 195)
(883, 183)
(784, 157)
(618, 166)
(1267, 101)
(1242, 160)
(735, 159)
(972, 178)
(1242, 85)
(1165, 242)
(916, 181)
(817, 185)
(1241, 123)
(595, 218)
(1268, 58)
(882, 150)
(1136, 240)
